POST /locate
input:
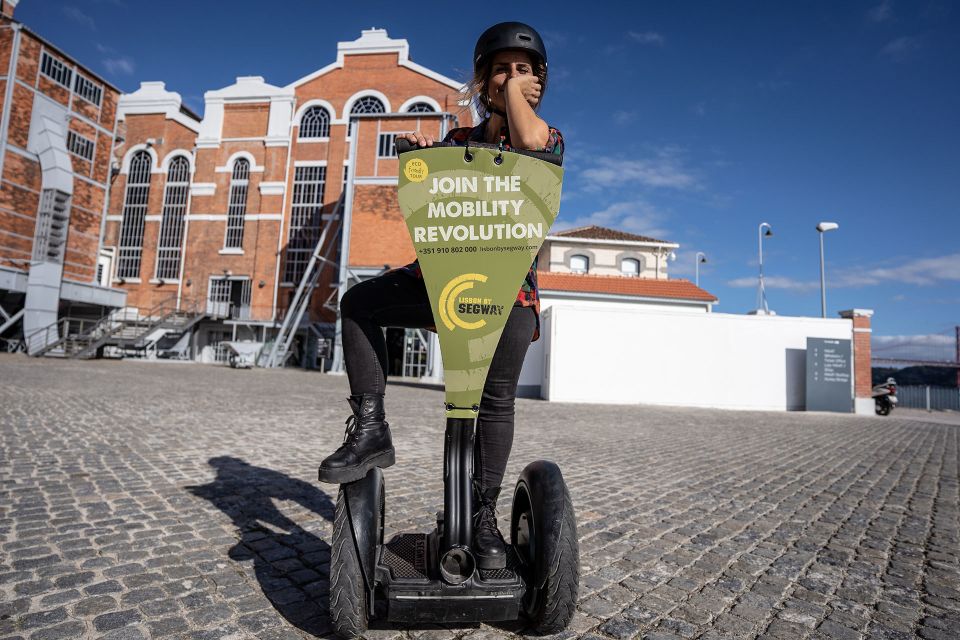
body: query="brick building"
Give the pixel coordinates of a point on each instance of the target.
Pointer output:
(56, 136)
(223, 213)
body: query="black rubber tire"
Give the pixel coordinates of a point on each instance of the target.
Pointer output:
(348, 596)
(543, 530)
(883, 408)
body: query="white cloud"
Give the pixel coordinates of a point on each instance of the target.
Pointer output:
(665, 170)
(881, 13)
(647, 37)
(121, 65)
(634, 216)
(901, 48)
(79, 16)
(775, 282)
(922, 272)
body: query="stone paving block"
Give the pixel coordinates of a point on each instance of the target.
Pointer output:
(145, 520)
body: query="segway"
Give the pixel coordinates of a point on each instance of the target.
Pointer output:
(477, 216)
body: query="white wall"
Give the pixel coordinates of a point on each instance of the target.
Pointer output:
(638, 355)
(531, 376)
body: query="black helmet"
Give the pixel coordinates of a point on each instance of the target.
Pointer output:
(508, 35)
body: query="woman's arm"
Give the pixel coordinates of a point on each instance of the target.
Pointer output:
(527, 130)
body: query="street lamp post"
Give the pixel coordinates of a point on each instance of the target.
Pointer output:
(701, 258)
(822, 228)
(761, 292)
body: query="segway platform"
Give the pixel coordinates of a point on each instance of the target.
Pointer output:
(477, 216)
(410, 576)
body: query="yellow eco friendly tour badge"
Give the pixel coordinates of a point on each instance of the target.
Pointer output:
(416, 170)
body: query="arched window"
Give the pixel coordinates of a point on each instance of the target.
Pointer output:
(630, 267)
(366, 104)
(171, 223)
(421, 107)
(315, 123)
(134, 210)
(579, 264)
(237, 208)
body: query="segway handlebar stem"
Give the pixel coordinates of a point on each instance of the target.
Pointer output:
(404, 146)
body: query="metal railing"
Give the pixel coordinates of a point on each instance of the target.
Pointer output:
(928, 397)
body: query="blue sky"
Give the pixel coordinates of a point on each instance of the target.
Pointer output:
(690, 122)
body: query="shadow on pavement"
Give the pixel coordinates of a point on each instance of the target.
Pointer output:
(291, 564)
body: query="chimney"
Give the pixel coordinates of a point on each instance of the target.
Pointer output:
(8, 7)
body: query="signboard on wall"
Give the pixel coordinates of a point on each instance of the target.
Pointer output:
(829, 375)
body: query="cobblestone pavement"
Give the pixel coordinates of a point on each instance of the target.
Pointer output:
(150, 500)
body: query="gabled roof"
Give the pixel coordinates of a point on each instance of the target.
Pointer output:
(372, 41)
(594, 232)
(677, 289)
(153, 97)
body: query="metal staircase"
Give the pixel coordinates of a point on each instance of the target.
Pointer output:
(293, 318)
(127, 329)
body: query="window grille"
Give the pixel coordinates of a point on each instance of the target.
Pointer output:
(305, 217)
(237, 208)
(89, 91)
(346, 174)
(80, 146)
(579, 264)
(366, 104)
(387, 147)
(171, 223)
(421, 107)
(53, 216)
(315, 123)
(134, 209)
(630, 267)
(56, 70)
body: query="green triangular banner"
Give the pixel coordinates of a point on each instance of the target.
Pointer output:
(476, 226)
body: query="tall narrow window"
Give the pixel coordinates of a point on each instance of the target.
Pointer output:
(315, 123)
(366, 104)
(238, 204)
(171, 224)
(387, 147)
(305, 217)
(134, 210)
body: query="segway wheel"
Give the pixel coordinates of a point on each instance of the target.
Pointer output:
(883, 409)
(543, 531)
(348, 596)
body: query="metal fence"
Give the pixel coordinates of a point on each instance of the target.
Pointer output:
(929, 398)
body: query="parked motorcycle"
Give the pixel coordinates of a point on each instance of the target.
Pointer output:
(885, 397)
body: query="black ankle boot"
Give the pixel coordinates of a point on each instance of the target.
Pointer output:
(488, 545)
(367, 443)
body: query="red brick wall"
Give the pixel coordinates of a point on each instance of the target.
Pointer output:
(863, 378)
(379, 234)
(22, 179)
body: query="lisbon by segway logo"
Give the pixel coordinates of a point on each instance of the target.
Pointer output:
(453, 305)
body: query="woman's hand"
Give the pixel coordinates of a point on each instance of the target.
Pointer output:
(419, 139)
(528, 86)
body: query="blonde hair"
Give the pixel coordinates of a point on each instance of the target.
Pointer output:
(477, 86)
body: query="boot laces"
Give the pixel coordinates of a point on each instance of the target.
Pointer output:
(349, 437)
(486, 519)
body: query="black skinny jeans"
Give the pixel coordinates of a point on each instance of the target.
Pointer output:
(397, 299)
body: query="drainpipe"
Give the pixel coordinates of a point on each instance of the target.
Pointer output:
(283, 213)
(8, 95)
(338, 365)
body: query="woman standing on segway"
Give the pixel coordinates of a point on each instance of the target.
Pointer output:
(509, 78)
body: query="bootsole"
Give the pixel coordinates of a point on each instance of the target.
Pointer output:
(344, 475)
